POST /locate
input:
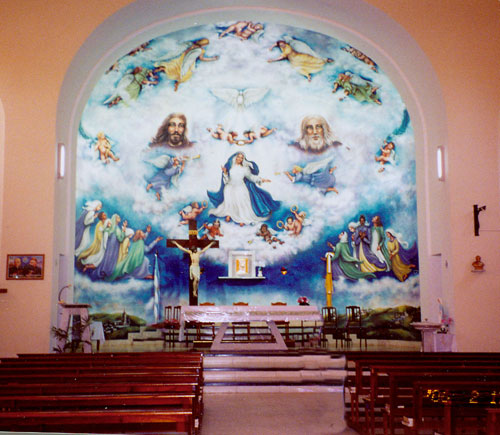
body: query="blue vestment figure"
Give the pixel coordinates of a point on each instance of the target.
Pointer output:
(239, 197)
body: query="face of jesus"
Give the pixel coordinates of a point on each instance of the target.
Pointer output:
(314, 133)
(176, 128)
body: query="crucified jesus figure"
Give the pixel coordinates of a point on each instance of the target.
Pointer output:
(194, 268)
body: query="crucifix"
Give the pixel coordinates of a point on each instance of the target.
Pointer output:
(194, 247)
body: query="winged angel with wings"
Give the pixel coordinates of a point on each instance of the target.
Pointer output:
(302, 57)
(180, 67)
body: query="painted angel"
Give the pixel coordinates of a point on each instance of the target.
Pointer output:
(319, 174)
(130, 86)
(301, 56)
(180, 67)
(169, 170)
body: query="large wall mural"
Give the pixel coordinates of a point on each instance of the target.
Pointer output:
(280, 145)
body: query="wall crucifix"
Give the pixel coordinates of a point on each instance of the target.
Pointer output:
(193, 247)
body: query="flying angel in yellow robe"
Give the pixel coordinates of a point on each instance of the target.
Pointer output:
(180, 67)
(302, 57)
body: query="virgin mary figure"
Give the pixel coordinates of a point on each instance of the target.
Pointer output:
(239, 197)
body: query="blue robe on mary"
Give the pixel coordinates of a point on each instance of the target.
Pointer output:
(262, 202)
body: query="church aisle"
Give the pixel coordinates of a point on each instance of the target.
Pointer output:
(275, 413)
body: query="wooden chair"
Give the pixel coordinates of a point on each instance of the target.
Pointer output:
(168, 313)
(176, 321)
(331, 327)
(202, 327)
(283, 323)
(354, 325)
(171, 326)
(243, 325)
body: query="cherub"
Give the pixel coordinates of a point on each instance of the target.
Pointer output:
(361, 56)
(213, 231)
(103, 146)
(294, 226)
(220, 134)
(267, 235)
(388, 154)
(191, 212)
(243, 29)
(298, 222)
(141, 48)
(252, 136)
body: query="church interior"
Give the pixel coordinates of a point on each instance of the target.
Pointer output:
(290, 206)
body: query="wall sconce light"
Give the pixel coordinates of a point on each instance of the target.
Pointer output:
(284, 270)
(61, 160)
(440, 163)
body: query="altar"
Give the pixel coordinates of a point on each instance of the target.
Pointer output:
(226, 314)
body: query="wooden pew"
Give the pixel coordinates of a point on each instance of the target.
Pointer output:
(19, 370)
(103, 377)
(492, 421)
(128, 421)
(445, 405)
(96, 401)
(126, 356)
(392, 387)
(99, 388)
(99, 402)
(131, 388)
(358, 363)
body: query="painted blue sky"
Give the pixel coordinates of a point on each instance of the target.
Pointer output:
(360, 127)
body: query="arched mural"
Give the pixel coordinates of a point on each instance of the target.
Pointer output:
(289, 149)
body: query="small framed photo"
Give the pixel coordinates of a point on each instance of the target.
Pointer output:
(25, 266)
(241, 264)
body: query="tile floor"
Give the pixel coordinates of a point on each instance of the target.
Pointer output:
(283, 413)
(268, 410)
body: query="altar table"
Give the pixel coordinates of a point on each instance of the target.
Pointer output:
(226, 314)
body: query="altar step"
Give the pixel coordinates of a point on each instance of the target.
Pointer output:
(145, 335)
(281, 372)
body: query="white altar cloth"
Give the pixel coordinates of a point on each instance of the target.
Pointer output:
(226, 314)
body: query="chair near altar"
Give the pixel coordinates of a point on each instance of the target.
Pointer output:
(241, 325)
(283, 323)
(205, 329)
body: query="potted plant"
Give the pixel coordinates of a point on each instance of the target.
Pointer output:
(72, 338)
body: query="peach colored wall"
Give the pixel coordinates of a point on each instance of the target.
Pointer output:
(461, 40)
(38, 40)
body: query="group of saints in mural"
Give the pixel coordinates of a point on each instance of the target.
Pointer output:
(107, 248)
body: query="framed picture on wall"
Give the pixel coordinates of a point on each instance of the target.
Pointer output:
(241, 264)
(25, 266)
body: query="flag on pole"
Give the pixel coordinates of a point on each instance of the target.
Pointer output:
(156, 285)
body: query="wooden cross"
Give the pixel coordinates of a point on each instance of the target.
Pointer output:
(192, 242)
